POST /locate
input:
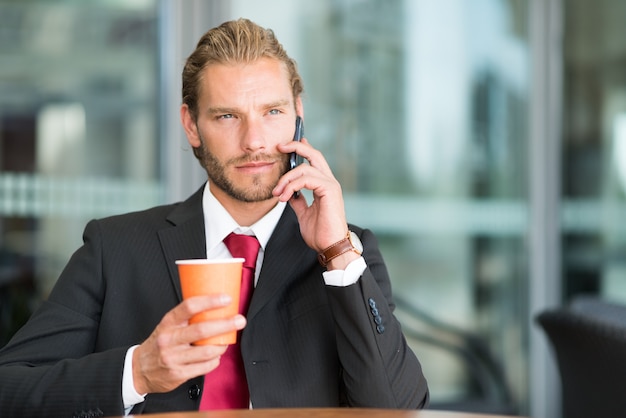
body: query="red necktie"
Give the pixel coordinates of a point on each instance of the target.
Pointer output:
(226, 387)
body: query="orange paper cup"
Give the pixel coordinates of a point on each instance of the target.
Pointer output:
(210, 277)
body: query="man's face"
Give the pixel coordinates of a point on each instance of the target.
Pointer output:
(244, 111)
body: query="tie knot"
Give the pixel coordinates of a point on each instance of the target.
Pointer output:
(245, 246)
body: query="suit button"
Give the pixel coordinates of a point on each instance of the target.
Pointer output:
(380, 329)
(194, 392)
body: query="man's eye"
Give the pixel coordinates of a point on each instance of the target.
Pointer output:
(226, 116)
(274, 112)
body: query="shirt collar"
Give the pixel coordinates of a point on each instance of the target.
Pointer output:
(218, 223)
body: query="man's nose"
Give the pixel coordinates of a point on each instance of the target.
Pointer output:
(253, 136)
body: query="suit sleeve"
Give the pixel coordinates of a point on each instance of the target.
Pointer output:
(379, 368)
(51, 366)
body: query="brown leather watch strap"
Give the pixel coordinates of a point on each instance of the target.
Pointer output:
(335, 250)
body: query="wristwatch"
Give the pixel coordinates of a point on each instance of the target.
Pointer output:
(350, 243)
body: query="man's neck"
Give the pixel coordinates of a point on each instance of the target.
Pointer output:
(244, 213)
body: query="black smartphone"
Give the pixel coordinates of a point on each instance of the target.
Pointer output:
(295, 159)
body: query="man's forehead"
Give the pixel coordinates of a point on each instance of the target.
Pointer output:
(263, 81)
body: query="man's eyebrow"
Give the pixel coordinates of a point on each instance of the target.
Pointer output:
(278, 103)
(221, 110)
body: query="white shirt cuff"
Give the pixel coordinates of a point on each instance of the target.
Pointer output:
(347, 277)
(130, 397)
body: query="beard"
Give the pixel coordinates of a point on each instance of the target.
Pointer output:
(260, 189)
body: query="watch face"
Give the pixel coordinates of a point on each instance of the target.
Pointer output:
(356, 242)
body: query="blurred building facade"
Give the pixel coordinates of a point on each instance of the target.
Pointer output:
(483, 141)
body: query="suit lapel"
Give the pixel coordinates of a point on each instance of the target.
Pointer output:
(282, 261)
(185, 238)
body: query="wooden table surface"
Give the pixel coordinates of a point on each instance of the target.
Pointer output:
(321, 413)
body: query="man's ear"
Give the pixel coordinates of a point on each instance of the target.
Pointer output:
(299, 107)
(190, 126)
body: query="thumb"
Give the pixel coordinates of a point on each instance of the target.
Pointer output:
(298, 204)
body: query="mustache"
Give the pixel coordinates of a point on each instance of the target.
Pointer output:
(253, 158)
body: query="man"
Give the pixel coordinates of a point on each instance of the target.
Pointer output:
(114, 336)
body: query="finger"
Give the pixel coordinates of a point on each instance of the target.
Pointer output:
(185, 372)
(305, 149)
(300, 178)
(307, 179)
(192, 370)
(174, 357)
(199, 354)
(284, 188)
(298, 203)
(211, 328)
(192, 306)
(315, 157)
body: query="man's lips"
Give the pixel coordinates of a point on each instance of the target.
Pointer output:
(256, 166)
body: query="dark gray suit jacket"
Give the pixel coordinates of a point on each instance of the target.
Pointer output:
(306, 344)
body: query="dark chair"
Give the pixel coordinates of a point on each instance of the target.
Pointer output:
(487, 390)
(589, 342)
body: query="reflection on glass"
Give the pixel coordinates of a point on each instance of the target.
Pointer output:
(619, 149)
(78, 139)
(594, 105)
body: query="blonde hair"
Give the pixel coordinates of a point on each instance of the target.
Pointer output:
(234, 42)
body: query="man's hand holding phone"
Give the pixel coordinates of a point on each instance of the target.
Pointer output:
(323, 223)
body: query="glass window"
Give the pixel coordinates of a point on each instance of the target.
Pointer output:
(594, 149)
(78, 133)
